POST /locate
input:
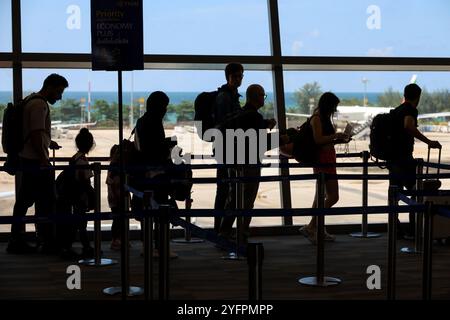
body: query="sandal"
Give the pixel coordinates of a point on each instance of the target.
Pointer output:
(308, 234)
(329, 237)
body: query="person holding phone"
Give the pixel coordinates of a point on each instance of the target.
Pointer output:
(325, 137)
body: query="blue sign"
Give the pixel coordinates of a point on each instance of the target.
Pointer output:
(117, 35)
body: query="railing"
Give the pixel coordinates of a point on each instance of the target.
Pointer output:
(168, 214)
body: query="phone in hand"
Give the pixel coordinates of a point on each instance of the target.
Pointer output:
(348, 129)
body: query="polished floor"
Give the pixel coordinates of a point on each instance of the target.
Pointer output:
(199, 273)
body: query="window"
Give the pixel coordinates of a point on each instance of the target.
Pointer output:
(5, 26)
(365, 28)
(137, 85)
(378, 90)
(206, 27)
(5, 86)
(173, 27)
(56, 26)
(6, 93)
(7, 187)
(182, 91)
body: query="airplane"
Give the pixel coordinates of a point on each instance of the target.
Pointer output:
(434, 115)
(358, 116)
(352, 114)
(7, 194)
(59, 129)
(361, 118)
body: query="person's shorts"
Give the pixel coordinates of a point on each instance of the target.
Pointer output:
(403, 173)
(326, 156)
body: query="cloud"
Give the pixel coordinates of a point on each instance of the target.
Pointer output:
(380, 52)
(315, 33)
(297, 45)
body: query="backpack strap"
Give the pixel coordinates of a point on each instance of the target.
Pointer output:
(25, 101)
(132, 133)
(75, 159)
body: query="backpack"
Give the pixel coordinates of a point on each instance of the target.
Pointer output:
(65, 184)
(69, 190)
(383, 137)
(180, 190)
(204, 112)
(304, 146)
(12, 133)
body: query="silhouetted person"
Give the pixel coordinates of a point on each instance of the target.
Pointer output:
(403, 165)
(154, 148)
(86, 194)
(250, 119)
(36, 184)
(113, 183)
(227, 103)
(325, 137)
(76, 199)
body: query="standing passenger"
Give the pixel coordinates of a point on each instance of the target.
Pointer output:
(113, 183)
(227, 103)
(85, 195)
(154, 148)
(37, 186)
(250, 119)
(325, 137)
(402, 168)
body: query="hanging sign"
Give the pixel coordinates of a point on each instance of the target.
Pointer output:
(117, 35)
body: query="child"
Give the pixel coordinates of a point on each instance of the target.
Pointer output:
(85, 197)
(113, 182)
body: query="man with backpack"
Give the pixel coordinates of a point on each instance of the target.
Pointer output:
(36, 181)
(402, 166)
(226, 104)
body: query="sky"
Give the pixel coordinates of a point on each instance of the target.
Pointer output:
(308, 27)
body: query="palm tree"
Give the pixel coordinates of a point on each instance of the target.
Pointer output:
(308, 95)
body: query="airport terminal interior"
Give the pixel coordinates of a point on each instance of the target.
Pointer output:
(365, 52)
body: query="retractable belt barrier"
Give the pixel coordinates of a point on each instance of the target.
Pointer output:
(428, 214)
(306, 212)
(444, 212)
(173, 215)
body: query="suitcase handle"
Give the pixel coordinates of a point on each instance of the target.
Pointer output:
(428, 159)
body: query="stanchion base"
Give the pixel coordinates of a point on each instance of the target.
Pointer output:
(367, 235)
(312, 281)
(103, 262)
(184, 241)
(132, 291)
(233, 256)
(410, 250)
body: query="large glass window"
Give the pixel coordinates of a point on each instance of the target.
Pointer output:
(182, 91)
(170, 27)
(382, 28)
(206, 27)
(363, 95)
(5, 26)
(56, 26)
(5, 86)
(92, 98)
(7, 189)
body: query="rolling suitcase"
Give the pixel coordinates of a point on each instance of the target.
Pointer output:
(441, 225)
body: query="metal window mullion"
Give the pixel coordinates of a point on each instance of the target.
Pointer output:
(17, 50)
(217, 62)
(278, 89)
